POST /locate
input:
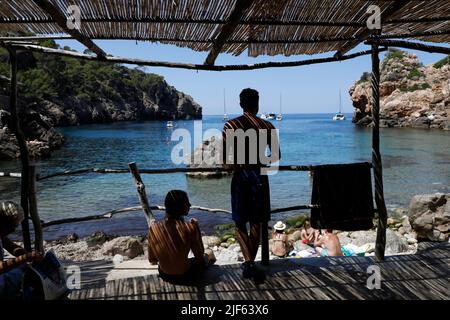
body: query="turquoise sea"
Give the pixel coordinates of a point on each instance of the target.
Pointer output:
(415, 161)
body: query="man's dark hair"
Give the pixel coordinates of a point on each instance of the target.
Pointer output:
(249, 99)
(175, 203)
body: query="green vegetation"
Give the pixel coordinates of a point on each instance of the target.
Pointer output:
(50, 76)
(296, 221)
(442, 62)
(415, 87)
(224, 231)
(394, 54)
(365, 77)
(414, 73)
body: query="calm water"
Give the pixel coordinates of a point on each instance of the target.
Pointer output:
(415, 161)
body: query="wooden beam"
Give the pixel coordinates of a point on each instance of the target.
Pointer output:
(141, 192)
(24, 156)
(366, 33)
(34, 214)
(228, 29)
(411, 45)
(26, 40)
(376, 156)
(188, 66)
(61, 20)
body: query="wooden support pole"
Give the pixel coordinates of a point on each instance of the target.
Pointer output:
(38, 235)
(24, 156)
(141, 192)
(265, 243)
(376, 156)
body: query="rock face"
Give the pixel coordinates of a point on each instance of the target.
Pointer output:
(207, 155)
(41, 137)
(429, 215)
(411, 94)
(66, 92)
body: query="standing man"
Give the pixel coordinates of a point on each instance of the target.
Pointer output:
(245, 142)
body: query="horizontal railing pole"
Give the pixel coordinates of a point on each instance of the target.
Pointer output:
(110, 214)
(178, 170)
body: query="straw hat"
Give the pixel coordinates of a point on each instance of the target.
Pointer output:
(279, 226)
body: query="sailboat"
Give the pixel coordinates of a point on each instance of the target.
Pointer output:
(339, 115)
(279, 116)
(225, 115)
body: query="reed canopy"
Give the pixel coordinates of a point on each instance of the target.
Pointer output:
(262, 27)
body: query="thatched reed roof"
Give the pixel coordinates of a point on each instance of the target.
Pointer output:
(267, 27)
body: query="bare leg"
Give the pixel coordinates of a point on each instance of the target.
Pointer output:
(244, 241)
(255, 237)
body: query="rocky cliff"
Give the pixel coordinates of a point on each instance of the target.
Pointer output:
(60, 91)
(411, 94)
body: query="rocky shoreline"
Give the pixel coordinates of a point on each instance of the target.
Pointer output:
(427, 219)
(411, 94)
(72, 93)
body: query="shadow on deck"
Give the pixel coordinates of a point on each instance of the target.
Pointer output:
(424, 275)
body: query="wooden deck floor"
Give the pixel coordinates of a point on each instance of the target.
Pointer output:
(425, 275)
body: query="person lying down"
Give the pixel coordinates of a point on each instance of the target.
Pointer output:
(170, 241)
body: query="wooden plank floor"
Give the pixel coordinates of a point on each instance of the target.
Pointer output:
(425, 275)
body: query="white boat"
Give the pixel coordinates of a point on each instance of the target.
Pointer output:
(279, 116)
(225, 115)
(268, 116)
(169, 124)
(339, 116)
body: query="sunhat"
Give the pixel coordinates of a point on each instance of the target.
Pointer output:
(279, 226)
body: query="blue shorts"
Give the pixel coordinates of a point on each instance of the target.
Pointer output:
(250, 197)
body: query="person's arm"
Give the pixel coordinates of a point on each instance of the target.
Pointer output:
(318, 242)
(12, 247)
(303, 235)
(196, 241)
(152, 258)
(225, 165)
(11, 264)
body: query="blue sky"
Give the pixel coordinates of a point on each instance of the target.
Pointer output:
(306, 89)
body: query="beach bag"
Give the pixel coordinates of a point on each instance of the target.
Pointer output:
(51, 276)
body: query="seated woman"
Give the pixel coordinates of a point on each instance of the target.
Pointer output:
(12, 271)
(280, 244)
(307, 233)
(171, 239)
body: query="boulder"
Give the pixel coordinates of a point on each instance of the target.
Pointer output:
(394, 243)
(210, 241)
(97, 238)
(126, 246)
(429, 215)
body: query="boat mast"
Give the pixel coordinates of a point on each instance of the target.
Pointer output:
(280, 102)
(340, 101)
(224, 103)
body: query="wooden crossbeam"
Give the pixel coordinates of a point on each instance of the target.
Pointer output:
(26, 39)
(228, 29)
(61, 20)
(411, 45)
(366, 33)
(188, 66)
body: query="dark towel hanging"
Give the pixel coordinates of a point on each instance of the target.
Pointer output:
(344, 195)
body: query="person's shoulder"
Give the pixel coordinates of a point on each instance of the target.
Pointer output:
(269, 124)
